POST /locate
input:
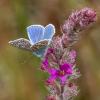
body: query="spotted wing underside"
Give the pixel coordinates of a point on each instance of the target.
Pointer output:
(39, 48)
(21, 43)
(39, 45)
(25, 44)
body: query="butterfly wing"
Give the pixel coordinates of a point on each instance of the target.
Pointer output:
(40, 47)
(35, 33)
(39, 38)
(21, 43)
(49, 32)
(40, 52)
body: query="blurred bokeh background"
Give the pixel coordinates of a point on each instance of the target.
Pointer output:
(20, 78)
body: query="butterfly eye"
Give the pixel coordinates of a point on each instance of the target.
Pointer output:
(49, 32)
(35, 33)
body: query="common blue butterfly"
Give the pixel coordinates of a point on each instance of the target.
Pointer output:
(39, 38)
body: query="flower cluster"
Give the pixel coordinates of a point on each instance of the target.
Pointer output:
(77, 22)
(60, 59)
(61, 67)
(60, 63)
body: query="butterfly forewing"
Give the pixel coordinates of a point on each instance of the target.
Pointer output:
(35, 33)
(49, 32)
(21, 43)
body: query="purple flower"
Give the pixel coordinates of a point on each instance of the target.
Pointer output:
(45, 65)
(60, 60)
(50, 51)
(51, 97)
(69, 56)
(76, 22)
(72, 56)
(61, 73)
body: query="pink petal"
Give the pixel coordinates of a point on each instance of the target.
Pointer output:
(51, 79)
(63, 79)
(52, 71)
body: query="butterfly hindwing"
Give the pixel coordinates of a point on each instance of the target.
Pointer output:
(40, 52)
(39, 48)
(35, 33)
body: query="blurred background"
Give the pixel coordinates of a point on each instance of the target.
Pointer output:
(20, 78)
